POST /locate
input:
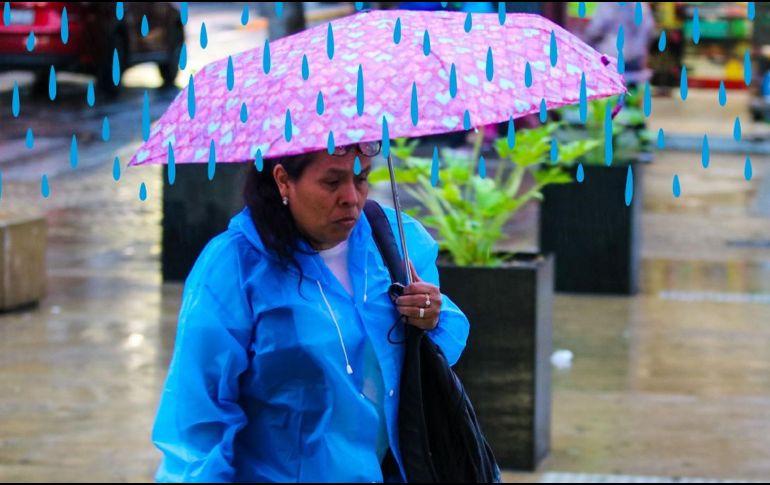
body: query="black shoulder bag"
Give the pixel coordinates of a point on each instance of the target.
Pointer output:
(439, 435)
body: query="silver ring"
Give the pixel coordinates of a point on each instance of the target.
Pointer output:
(422, 312)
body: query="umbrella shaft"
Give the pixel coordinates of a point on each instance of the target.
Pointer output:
(397, 206)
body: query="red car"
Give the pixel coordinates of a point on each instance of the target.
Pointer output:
(94, 32)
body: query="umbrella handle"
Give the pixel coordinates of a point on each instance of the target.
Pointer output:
(397, 206)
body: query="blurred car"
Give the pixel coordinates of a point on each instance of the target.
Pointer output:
(94, 34)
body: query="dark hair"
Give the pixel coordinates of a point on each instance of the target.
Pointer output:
(273, 220)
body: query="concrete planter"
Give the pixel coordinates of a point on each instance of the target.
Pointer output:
(506, 364)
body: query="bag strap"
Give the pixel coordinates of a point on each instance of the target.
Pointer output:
(386, 241)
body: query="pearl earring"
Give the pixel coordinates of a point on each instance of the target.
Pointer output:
(285, 201)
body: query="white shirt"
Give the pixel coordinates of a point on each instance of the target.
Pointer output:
(336, 259)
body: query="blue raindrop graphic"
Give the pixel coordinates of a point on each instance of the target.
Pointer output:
(683, 83)
(230, 74)
(15, 101)
(287, 129)
(52, 84)
(750, 11)
(705, 152)
(330, 146)
(620, 41)
(31, 42)
(676, 187)
(115, 67)
(580, 173)
(245, 15)
(695, 26)
(581, 9)
(414, 108)
(74, 152)
(305, 68)
(468, 23)
(434, 168)
(453, 81)
(490, 65)
(183, 57)
(266, 57)
(360, 91)
(543, 111)
(397, 32)
(662, 41)
(183, 13)
(511, 133)
(106, 129)
(244, 113)
(357, 166)
(212, 160)
(747, 172)
(629, 186)
(737, 129)
(647, 99)
(359, 6)
(119, 10)
(319, 104)
(204, 36)
(171, 165)
(90, 95)
(608, 135)
(722, 94)
(621, 62)
(146, 116)
(330, 42)
(554, 49)
(482, 167)
(279, 9)
(501, 13)
(554, 150)
(385, 138)
(528, 75)
(661, 139)
(30, 141)
(45, 189)
(143, 192)
(65, 26)
(259, 162)
(583, 99)
(146, 28)
(426, 44)
(467, 120)
(747, 68)
(7, 13)
(191, 98)
(638, 14)
(116, 169)
(444, 4)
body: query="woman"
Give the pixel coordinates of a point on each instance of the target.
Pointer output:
(283, 368)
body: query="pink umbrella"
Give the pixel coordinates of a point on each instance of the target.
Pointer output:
(419, 73)
(377, 75)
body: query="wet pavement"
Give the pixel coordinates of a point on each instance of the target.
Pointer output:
(673, 382)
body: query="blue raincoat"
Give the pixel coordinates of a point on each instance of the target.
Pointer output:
(260, 387)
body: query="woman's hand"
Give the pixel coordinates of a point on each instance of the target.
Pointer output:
(420, 303)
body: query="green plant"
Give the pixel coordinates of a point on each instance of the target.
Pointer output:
(469, 210)
(630, 136)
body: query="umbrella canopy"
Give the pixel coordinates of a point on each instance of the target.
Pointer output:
(376, 75)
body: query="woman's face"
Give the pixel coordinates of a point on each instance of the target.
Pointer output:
(327, 200)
